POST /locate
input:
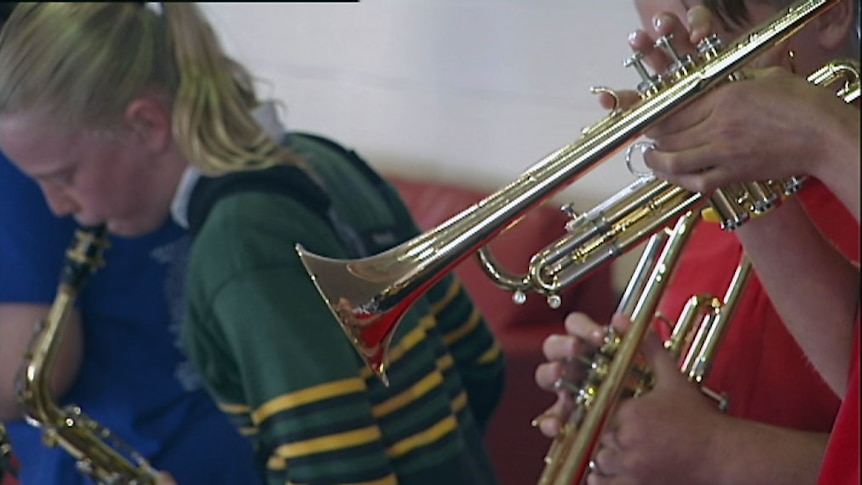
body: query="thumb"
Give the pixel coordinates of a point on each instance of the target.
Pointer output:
(700, 23)
(663, 367)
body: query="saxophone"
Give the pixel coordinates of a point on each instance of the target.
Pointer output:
(99, 455)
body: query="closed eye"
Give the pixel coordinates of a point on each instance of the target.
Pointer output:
(61, 178)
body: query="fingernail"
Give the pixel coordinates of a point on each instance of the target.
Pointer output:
(559, 384)
(657, 21)
(599, 335)
(632, 36)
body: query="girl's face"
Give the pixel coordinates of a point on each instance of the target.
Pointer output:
(95, 177)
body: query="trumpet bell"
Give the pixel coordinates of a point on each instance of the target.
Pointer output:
(368, 297)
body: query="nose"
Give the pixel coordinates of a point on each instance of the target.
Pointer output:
(60, 201)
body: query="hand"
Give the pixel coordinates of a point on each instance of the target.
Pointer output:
(584, 337)
(662, 436)
(771, 126)
(730, 135)
(683, 39)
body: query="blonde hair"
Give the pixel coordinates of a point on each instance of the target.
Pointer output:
(83, 63)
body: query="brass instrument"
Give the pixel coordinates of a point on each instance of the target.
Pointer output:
(368, 296)
(615, 226)
(6, 465)
(694, 342)
(86, 440)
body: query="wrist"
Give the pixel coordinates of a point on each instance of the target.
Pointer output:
(712, 468)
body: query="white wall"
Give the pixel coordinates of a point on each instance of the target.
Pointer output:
(466, 91)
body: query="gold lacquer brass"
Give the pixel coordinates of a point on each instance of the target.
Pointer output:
(7, 467)
(99, 455)
(368, 296)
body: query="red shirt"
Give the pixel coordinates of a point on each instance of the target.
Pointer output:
(841, 463)
(759, 366)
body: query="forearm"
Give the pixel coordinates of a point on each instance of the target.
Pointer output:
(747, 452)
(17, 324)
(839, 168)
(812, 287)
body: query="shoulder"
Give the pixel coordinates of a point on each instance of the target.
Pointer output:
(358, 193)
(249, 231)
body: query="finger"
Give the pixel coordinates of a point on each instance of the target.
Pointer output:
(665, 23)
(678, 123)
(656, 59)
(582, 326)
(563, 347)
(607, 461)
(621, 100)
(691, 161)
(547, 374)
(700, 23)
(550, 426)
(620, 322)
(704, 180)
(664, 369)
(707, 181)
(685, 139)
(669, 25)
(608, 439)
(552, 420)
(628, 98)
(607, 101)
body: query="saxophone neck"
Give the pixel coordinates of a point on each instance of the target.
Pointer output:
(98, 453)
(83, 258)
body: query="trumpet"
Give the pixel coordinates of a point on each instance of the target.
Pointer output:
(99, 455)
(6, 464)
(368, 296)
(694, 342)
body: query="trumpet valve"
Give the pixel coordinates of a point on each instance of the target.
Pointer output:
(793, 184)
(650, 83)
(709, 47)
(681, 64)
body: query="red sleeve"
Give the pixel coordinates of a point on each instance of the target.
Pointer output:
(841, 463)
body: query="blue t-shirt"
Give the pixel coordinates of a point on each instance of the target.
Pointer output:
(135, 379)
